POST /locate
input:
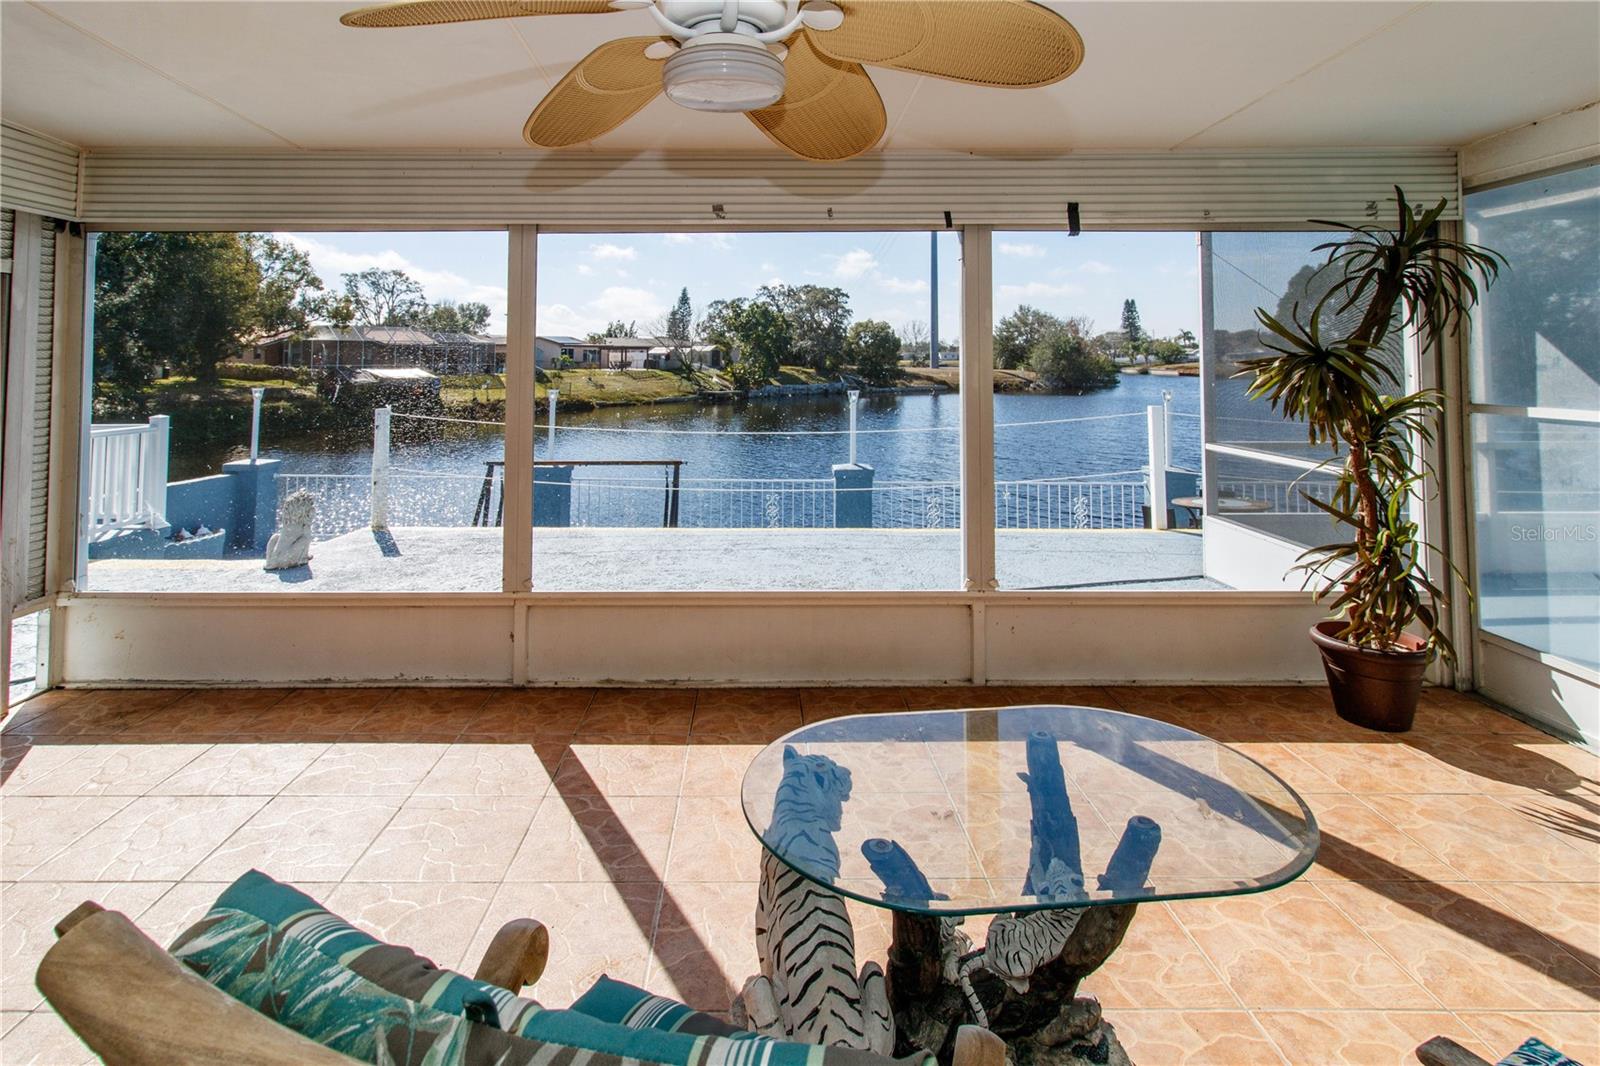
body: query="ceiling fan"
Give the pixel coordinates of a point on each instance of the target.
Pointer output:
(793, 66)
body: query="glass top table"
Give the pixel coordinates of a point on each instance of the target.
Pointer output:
(1016, 809)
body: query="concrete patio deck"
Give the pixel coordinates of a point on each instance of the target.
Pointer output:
(1457, 890)
(431, 559)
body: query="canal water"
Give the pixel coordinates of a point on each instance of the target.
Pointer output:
(438, 467)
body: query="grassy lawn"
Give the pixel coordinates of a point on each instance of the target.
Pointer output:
(950, 377)
(605, 387)
(799, 375)
(183, 386)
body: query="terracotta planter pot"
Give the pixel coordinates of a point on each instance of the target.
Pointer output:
(1374, 689)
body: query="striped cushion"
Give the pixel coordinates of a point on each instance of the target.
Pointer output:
(619, 1003)
(1535, 1052)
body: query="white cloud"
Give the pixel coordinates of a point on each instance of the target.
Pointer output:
(853, 264)
(1094, 266)
(585, 270)
(628, 304)
(330, 261)
(1037, 290)
(613, 251)
(720, 241)
(894, 284)
(1022, 250)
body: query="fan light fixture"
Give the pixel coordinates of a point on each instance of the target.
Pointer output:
(723, 72)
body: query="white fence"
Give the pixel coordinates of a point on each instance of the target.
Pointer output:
(128, 476)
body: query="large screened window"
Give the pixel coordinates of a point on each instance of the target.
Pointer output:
(1096, 408)
(295, 412)
(1534, 422)
(746, 411)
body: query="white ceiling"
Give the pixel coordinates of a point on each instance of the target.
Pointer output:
(1195, 74)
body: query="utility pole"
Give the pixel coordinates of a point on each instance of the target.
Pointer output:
(933, 287)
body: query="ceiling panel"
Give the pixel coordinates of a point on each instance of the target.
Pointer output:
(1462, 72)
(1156, 75)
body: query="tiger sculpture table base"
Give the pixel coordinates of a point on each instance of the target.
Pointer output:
(1048, 1024)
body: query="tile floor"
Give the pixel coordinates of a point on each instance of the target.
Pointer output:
(1457, 890)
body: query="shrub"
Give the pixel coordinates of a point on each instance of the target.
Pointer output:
(1065, 360)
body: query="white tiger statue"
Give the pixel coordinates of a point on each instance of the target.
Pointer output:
(809, 989)
(290, 546)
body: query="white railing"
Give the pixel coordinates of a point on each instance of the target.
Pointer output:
(1281, 497)
(128, 476)
(1062, 503)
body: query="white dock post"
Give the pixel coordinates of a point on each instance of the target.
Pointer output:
(380, 468)
(255, 421)
(1156, 422)
(155, 468)
(551, 396)
(855, 395)
(1166, 420)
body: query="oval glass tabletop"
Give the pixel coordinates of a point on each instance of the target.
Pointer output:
(1022, 808)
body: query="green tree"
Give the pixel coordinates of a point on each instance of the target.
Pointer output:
(1020, 332)
(1186, 338)
(616, 328)
(819, 319)
(716, 326)
(289, 292)
(764, 339)
(874, 350)
(1166, 350)
(384, 297)
(1131, 327)
(680, 321)
(1068, 361)
(185, 300)
(448, 317)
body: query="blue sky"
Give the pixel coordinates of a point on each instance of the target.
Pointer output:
(586, 280)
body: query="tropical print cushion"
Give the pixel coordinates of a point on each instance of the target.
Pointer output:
(1535, 1052)
(619, 1003)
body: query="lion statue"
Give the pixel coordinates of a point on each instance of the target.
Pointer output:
(290, 546)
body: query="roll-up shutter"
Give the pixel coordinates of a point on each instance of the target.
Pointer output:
(38, 173)
(30, 332)
(8, 222)
(1194, 190)
(39, 458)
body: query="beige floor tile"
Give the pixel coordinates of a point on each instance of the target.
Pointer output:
(105, 768)
(488, 769)
(1575, 1033)
(9, 1019)
(1359, 1038)
(1446, 712)
(1157, 966)
(822, 703)
(712, 842)
(437, 921)
(533, 711)
(1295, 763)
(1194, 1038)
(594, 929)
(442, 711)
(622, 765)
(1513, 765)
(42, 1039)
(586, 836)
(180, 907)
(705, 943)
(1574, 818)
(759, 715)
(102, 714)
(651, 711)
(28, 915)
(1466, 947)
(301, 838)
(367, 768)
(1485, 840)
(34, 828)
(1359, 844)
(350, 702)
(1566, 913)
(448, 838)
(1384, 766)
(715, 765)
(241, 769)
(1291, 949)
(152, 838)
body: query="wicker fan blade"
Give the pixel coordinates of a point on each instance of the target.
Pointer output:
(603, 91)
(1011, 43)
(437, 12)
(829, 111)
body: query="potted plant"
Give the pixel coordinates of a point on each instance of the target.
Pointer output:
(1330, 373)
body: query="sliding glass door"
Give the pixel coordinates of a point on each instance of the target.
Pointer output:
(1533, 446)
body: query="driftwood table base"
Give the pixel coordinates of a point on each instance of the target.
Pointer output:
(1048, 1024)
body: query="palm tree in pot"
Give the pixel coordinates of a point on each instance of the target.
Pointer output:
(1330, 372)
